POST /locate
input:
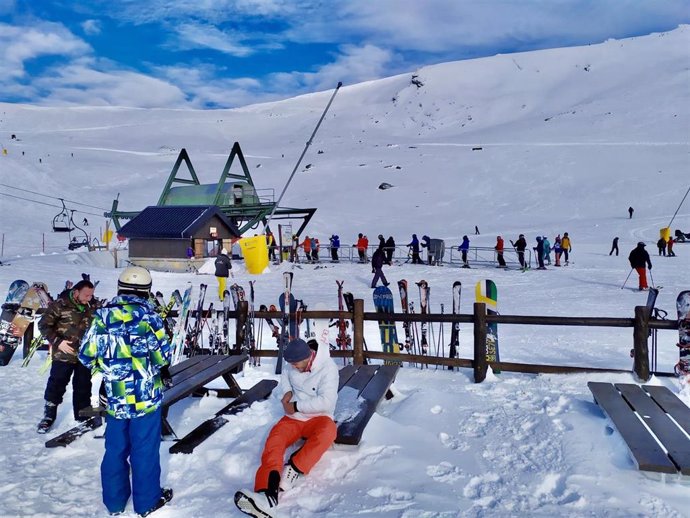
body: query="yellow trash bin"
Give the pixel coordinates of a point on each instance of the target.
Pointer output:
(255, 253)
(665, 233)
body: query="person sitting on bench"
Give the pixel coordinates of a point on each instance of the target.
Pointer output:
(310, 393)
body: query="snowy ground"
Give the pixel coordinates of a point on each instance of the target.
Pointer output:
(571, 138)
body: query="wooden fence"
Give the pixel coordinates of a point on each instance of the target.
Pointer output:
(641, 322)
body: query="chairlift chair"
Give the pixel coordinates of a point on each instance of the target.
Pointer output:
(62, 221)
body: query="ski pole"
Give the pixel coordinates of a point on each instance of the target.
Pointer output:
(651, 277)
(626, 279)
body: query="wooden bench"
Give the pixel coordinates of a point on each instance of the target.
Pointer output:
(189, 378)
(360, 390)
(653, 422)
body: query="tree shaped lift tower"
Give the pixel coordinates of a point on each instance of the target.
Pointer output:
(235, 195)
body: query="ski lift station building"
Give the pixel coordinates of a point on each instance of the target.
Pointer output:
(160, 237)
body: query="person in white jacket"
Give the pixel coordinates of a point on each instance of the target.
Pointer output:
(309, 395)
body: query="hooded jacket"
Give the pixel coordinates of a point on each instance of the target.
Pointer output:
(315, 391)
(65, 319)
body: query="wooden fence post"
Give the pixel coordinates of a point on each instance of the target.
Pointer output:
(640, 347)
(480, 366)
(358, 332)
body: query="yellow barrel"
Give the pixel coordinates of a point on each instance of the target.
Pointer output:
(665, 233)
(255, 253)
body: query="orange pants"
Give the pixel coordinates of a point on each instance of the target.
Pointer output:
(642, 272)
(318, 432)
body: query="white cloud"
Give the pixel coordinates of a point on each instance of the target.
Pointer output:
(207, 36)
(20, 44)
(91, 27)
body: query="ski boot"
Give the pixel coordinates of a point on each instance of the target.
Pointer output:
(49, 415)
(164, 499)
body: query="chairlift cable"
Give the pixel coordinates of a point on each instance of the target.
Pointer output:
(53, 197)
(49, 204)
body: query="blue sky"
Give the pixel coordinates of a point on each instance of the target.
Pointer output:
(227, 53)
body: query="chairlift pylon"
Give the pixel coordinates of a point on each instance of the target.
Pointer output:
(62, 221)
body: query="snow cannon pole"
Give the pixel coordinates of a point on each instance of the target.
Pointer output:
(304, 152)
(626, 279)
(679, 206)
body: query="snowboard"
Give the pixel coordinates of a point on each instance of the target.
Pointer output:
(71, 435)
(383, 302)
(36, 297)
(682, 368)
(486, 292)
(15, 295)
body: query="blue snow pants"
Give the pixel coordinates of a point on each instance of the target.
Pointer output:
(134, 442)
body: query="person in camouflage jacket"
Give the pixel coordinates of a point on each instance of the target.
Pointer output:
(64, 324)
(128, 344)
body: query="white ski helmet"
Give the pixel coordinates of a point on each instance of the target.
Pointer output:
(135, 278)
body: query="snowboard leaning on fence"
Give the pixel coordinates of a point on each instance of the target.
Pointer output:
(486, 292)
(35, 297)
(383, 302)
(682, 368)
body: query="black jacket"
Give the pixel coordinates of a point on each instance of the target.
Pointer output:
(223, 266)
(639, 258)
(377, 259)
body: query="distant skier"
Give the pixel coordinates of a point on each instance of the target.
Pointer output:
(463, 249)
(306, 246)
(362, 248)
(382, 242)
(271, 244)
(335, 245)
(547, 250)
(315, 245)
(85, 222)
(223, 271)
(669, 247)
(499, 252)
(414, 248)
(630, 211)
(426, 242)
(639, 258)
(661, 245)
(390, 248)
(566, 246)
(294, 256)
(520, 245)
(476, 230)
(377, 262)
(539, 251)
(614, 246)
(557, 250)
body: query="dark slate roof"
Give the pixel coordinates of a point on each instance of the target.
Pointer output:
(172, 222)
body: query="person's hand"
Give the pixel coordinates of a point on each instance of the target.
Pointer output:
(288, 407)
(650, 266)
(166, 377)
(66, 347)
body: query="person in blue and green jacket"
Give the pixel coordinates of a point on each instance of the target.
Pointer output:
(127, 343)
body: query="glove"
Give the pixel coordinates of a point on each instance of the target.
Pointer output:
(650, 266)
(166, 377)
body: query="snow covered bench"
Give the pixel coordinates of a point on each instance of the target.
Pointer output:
(360, 390)
(653, 422)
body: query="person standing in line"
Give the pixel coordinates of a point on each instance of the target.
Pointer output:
(223, 266)
(547, 250)
(639, 259)
(557, 250)
(414, 248)
(566, 246)
(614, 246)
(520, 245)
(390, 248)
(426, 243)
(271, 244)
(539, 251)
(128, 344)
(306, 246)
(335, 245)
(310, 392)
(63, 325)
(499, 252)
(377, 262)
(294, 256)
(463, 249)
(362, 248)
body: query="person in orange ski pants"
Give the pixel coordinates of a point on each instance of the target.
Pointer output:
(310, 392)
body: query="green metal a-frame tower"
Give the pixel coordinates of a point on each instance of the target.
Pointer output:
(235, 195)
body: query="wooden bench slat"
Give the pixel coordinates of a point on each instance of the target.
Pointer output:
(671, 437)
(206, 371)
(195, 368)
(345, 374)
(351, 431)
(670, 403)
(202, 432)
(646, 452)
